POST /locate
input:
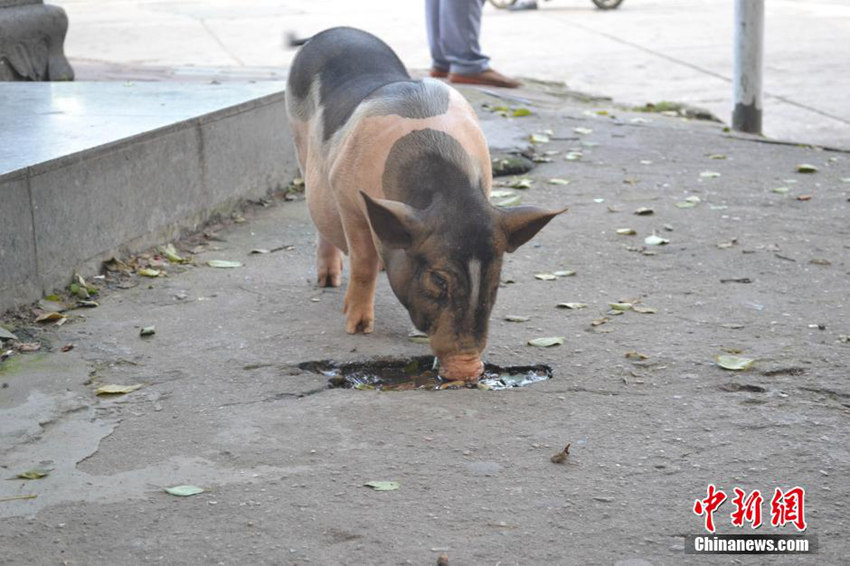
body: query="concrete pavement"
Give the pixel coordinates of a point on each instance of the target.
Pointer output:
(756, 265)
(646, 51)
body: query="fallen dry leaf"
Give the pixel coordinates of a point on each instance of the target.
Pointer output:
(571, 306)
(383, 485)
(561, 456)
(113, 389)
(223, 264)
(643, 309)
(50, 317)
(545, 276)
(655, 240)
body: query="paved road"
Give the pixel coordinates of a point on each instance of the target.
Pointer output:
(648, 50)
(224, 405)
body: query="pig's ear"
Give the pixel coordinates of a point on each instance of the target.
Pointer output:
(521, 223)
(395, 223)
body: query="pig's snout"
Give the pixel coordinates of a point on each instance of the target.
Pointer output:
(465, 367)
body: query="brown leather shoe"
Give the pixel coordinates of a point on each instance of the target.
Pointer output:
(438, 73)
(489, 77)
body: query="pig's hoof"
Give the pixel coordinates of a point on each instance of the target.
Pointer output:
(329, 279)
(356, 324)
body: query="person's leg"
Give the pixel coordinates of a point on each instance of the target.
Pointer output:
(459, 28)
(439, 64)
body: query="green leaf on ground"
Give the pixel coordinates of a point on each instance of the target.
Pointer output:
(113, 389)
(644, 211)
(546, 342)
(806, 168)
(150, 272)
(571, 306)
(582, 131)
(502, 193)
(223, 264)
(517, 318)
(521, 183)
(733, 363)
(170, 253)
(520, 112)
(781, 190)
(621, 306)
(709, 174)
(383, 485)
(184, 490)
(557, 181)
(626, 231)
(79, 291)
(573, 156)
(564, 273)
(147, 331)
(34, 474)
(539, 138)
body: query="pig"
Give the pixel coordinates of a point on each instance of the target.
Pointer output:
(397, 174)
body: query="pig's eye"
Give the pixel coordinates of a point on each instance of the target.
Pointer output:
(439, 280)
(439, 283)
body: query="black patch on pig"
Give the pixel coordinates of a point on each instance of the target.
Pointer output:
(350, 64)
(410, 99)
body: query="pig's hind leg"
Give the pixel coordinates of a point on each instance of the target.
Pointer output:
(329, 262)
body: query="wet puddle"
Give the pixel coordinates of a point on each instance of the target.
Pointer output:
(419, 373)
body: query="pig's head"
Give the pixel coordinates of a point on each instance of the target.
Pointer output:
(444, 266)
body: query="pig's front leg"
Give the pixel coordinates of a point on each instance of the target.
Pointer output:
(329, 263)
(359, 306)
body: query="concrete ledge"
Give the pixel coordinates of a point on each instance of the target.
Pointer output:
(120, 195)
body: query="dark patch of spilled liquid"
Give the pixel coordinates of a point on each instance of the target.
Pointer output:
(418, 373)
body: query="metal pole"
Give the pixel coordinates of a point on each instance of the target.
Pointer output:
(747, 72)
